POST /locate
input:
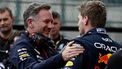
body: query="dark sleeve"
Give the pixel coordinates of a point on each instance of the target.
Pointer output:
(23, 58)
(81, 58)
(51, 63)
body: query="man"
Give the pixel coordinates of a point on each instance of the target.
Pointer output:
(7, 35)
(98, 45)
(59, 40)
(115, 61)
(33, 49)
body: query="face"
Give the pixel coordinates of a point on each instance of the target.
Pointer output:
(81, 24)
(5, 22)
(43, 22)
(56, 28)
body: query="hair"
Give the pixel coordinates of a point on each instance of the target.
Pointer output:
(4, 9)
(96, 12)
(55, 14)
(33, 10)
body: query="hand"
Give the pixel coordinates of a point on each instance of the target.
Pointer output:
(71, 50)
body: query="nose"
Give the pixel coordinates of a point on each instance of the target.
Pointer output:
(1, 21)
(50, 25)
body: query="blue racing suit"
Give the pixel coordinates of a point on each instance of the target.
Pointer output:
(24, 55)
(98, 48)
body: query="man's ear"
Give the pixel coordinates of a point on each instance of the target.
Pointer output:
(85, 20)
(29, 22)
(13, 19)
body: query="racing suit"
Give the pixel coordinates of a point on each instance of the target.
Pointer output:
(98, 48)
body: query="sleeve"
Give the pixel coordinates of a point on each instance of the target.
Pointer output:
(53, 63)
(80, 60)
(23, 58)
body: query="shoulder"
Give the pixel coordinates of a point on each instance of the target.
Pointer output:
(20, 47)
(16, 32)
(22, 41)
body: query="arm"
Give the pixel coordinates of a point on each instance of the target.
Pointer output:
(24, 58)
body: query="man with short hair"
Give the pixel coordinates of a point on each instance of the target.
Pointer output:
(7, 35)
(59, 40)
(98, 45)
(33, 49)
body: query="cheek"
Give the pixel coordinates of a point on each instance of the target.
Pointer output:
(57, 27)
(41, 27)
(80, 23)
(9, 23)
(9, 20)
(38, 27)
(0, 25)
(44, 28)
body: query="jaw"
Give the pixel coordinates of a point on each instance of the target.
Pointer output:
(46, 34)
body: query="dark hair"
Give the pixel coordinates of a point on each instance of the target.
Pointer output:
(96, 12)
(3, 9)
(55, 14)
(33, 10)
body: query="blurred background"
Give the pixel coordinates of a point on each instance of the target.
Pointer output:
(69, 12)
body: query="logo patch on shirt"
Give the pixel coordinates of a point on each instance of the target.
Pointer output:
(104, 58)
(23, 54)
(69, 64)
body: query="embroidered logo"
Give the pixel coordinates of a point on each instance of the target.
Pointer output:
(104, 58)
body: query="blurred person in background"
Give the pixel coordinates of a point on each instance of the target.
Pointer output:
(7, 35)
(34, 49)
(59, 40)
(98, 45)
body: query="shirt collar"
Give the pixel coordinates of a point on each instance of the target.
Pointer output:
(96, 31)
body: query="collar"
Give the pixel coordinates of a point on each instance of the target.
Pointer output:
(59, 38)
(96, 31)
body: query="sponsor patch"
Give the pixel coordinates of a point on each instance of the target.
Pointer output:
(69, 64)
(23, 54)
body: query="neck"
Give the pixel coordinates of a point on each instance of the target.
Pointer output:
(55, 36)
(88, 29)
(6, 34)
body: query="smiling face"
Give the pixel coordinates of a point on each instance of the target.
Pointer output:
(56, 28)
(5, 22)
(43, 22)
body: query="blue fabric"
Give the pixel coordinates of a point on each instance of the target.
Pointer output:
(98, 48)
(23, 55)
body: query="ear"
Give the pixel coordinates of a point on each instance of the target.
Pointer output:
(13, 19)
(30, 23)
(85, 20)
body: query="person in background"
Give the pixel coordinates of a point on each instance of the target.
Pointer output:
(98, 45)
(59, 40)
(7, 35)
(34, 49)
